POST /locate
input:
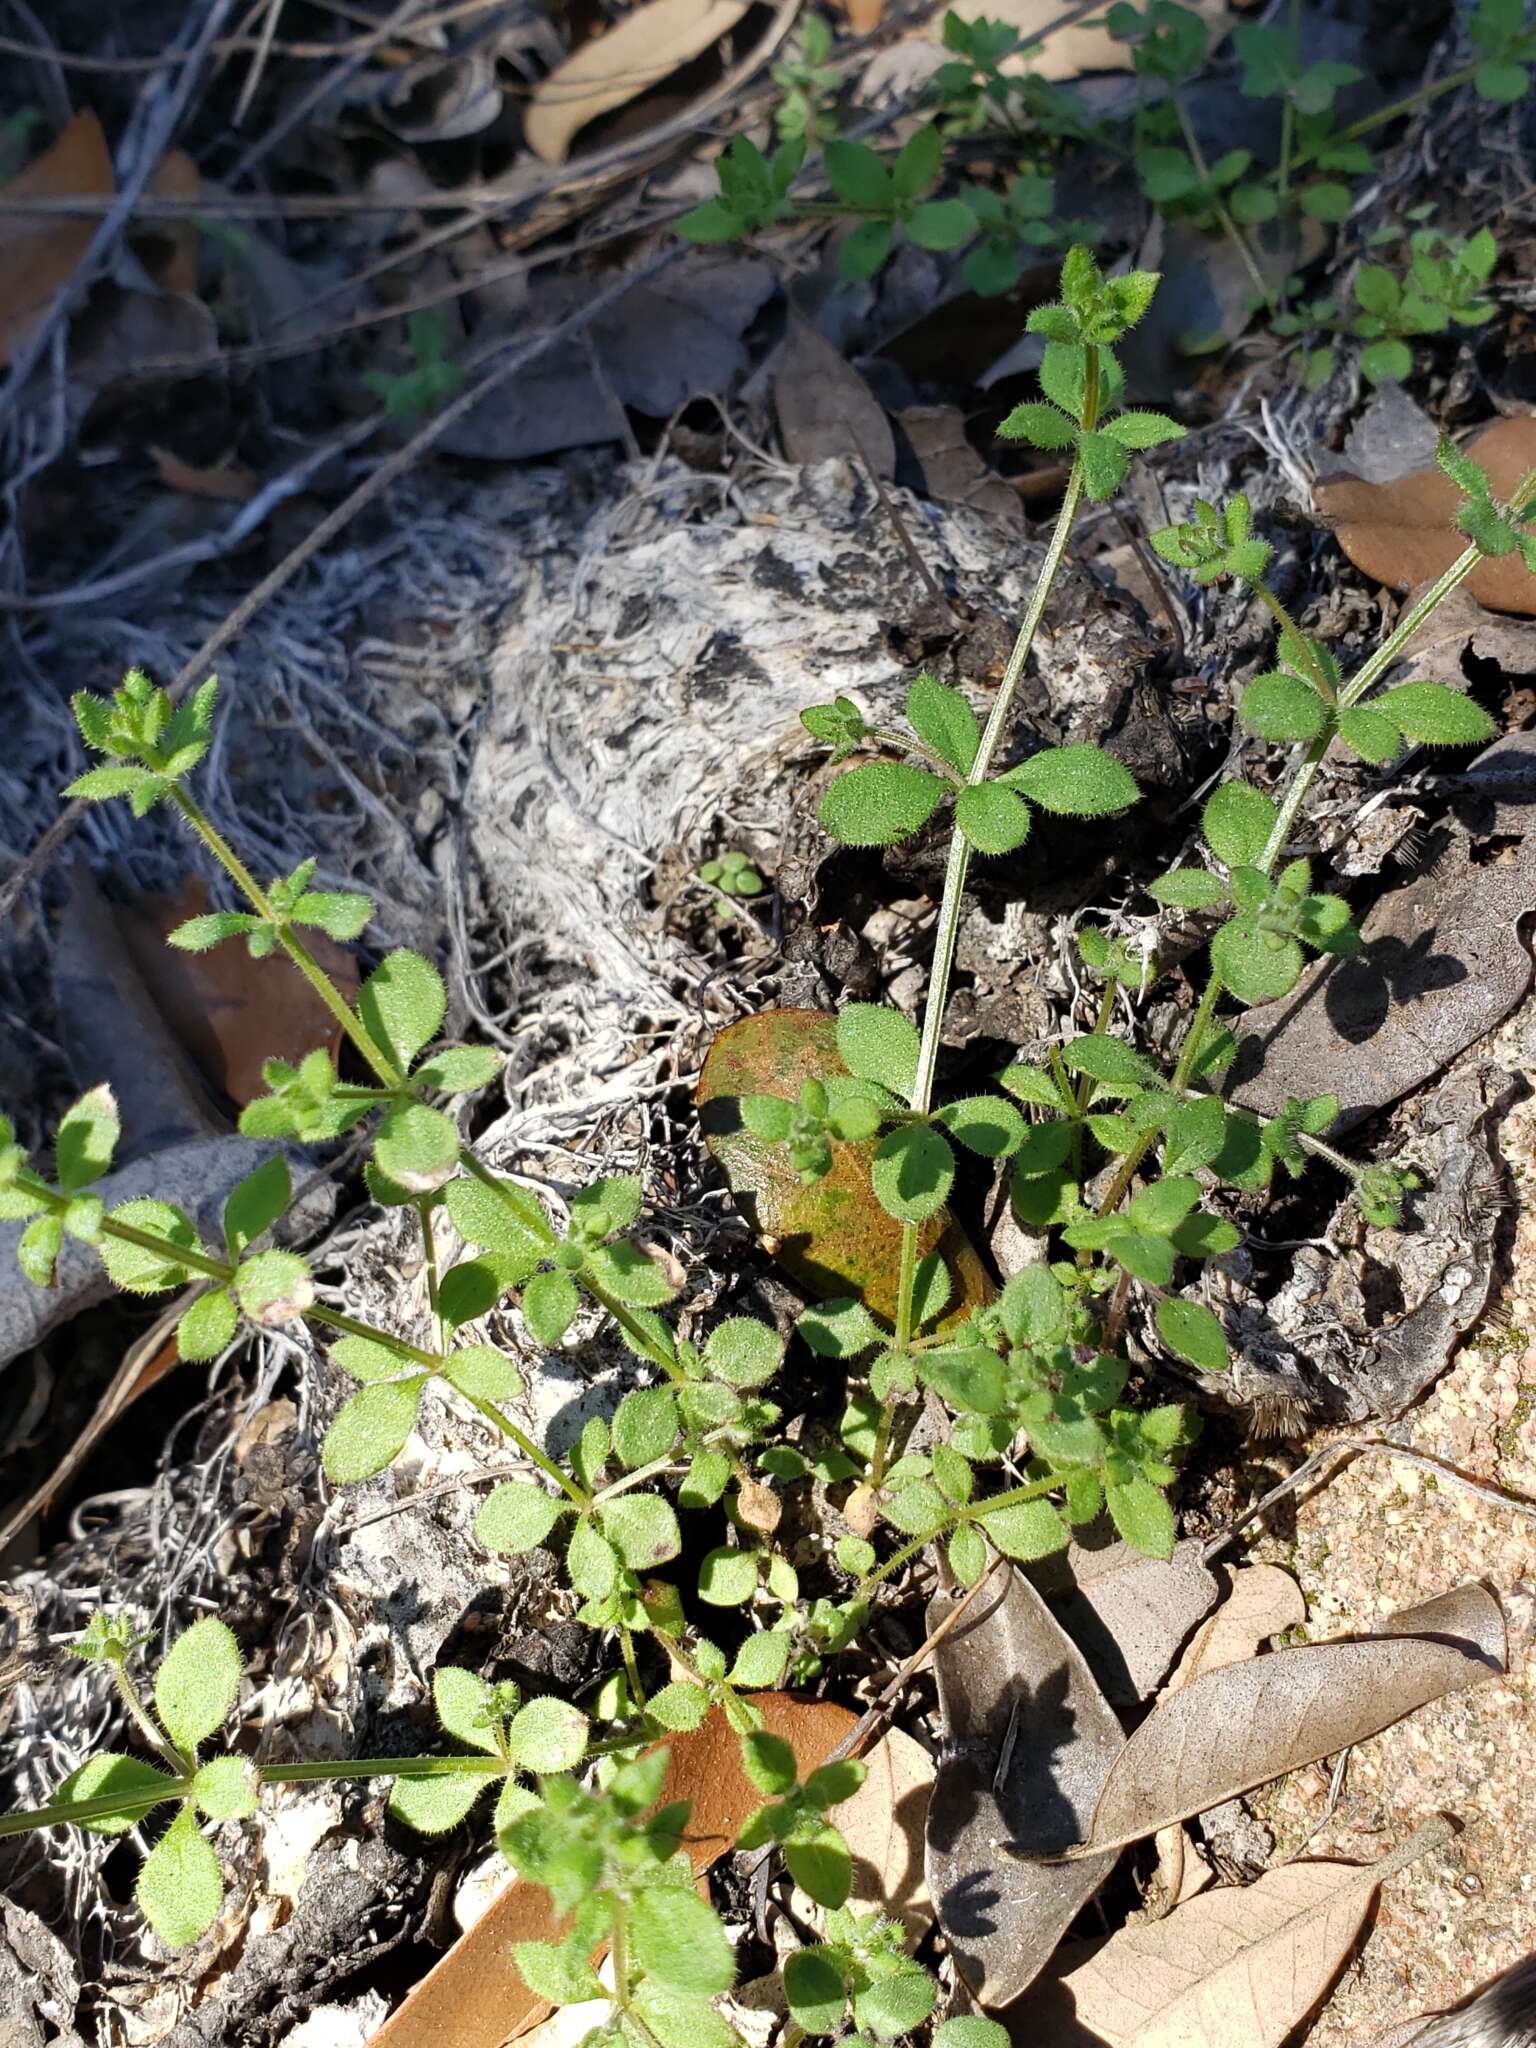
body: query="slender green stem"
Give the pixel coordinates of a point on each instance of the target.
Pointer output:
(1126, 1171)
(423, 1208)
(1316, 673)
(947, 930)
(292, 945)
(1229, 226)
(632, 1669)
(173, 1759)
(530, 1450)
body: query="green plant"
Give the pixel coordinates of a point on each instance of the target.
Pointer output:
(733, 874)
(808, 109)
(1440, 287)
(434, 377)
(1114, 1156)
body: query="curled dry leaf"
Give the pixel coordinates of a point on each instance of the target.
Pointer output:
(1129, 1613)
(646, 47)
(1030, 1741)
(1239, 1727)
(832, 1236)
(1405, 533)
(883, 1824)
(1261, 1602)
(1235, 1968)
(474, 1997)
(38, 252)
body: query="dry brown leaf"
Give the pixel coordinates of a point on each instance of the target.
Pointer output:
(647, 46)
(883, 1824)
(1236, 1968)
(864, 16)
(824, 406)
(38, 252)
(1076, 48)
(953, 472)
(1261, 1601)
(1239, 1727)
(1405, 534)
(1030, 1741)
(474, 1997)
(176, 177)
(226, 482)
(229, 1011)
(1129, 1613)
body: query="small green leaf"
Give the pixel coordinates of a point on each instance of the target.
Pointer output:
(819, 1862)
(547, 1735)
(1077, 781)
(677, 1939)
(762, 1660)
(1258, 966)
(642, 1528)
(459, 1069)
(208, 1326)
(1435, 715)
(1371, 733)
(815, 1990)
(1112, 1063)
(679, 1707)
(895, 2003)
(840, 1328)
(645, 1426)
(1192, 1333)
(1104, 462)
(138, 1270)
(255, 1204)
(967, 1553)
(768, 1763)
(483, 1374)
(992, 818)
(1141, 1513)
(370, 1430)
(879, 1044)
(403, 1003)
(274, 1287)
(503, 1218)
(87, 1138)
(225, 1788)
(728, 1578)
(941, 224)
(461, 1700)
(1237, 823)
(37, 1249)
(517, 1516)
(970, 2032)
(113, 1775)
(181, 1886)
(550, 1302)
(864, 249)
(434, 1805)
(1045, 426)
(880, 802)
(198, 1681)
(1280, 706)
(417, 1147)
(857, 175)
(983, 1123)
(944, 719)
(1143, 429)
(743, 1352)
(912, 1172)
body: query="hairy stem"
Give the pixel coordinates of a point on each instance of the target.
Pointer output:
(292, 945)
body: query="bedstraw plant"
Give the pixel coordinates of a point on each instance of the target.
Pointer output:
(1040, 1401)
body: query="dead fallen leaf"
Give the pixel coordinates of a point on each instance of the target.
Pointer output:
(474, 1997)
(953, 472)
(1261, 1602)
(833, 1236)
(38, 252)
(1030, 1741)
(225, 482)
(176, 177)
(1441, 963)
(1239, 1727)
(229, 1011)
(1405, 533)
(824, 406)
(1129, 1614)
(645, 47)
(864, 16)
(884, 1824)
(1076, 47)
(1235, 1968)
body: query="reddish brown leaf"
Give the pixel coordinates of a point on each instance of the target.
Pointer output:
(1405, 534)
(833, 1236)
(38, 252)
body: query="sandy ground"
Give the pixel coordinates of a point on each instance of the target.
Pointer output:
(1379, 1537)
